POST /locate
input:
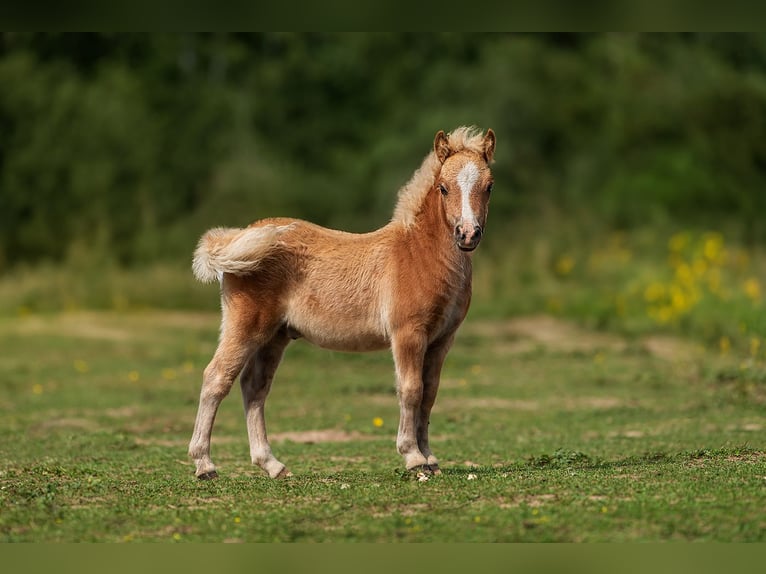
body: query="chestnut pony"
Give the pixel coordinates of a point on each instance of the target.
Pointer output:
(406, 286)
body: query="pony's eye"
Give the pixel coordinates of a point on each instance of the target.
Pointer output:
(489, 188)
(442, 189)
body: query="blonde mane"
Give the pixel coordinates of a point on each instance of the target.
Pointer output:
(412, 194)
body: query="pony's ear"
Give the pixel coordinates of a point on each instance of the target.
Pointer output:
(441, 146)
(489, 146)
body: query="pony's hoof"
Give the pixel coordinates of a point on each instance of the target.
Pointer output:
(208, 475)
(422, 472)
(284, 473)
(426, 469)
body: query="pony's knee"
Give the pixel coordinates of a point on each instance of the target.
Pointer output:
(406, 445)
(216, 384)
(411, 394)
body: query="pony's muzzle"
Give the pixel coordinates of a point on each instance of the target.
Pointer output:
(467, 237)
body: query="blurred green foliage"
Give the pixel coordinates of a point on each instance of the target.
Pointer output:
(124, 148)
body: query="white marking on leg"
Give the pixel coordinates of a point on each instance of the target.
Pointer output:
(466, 179)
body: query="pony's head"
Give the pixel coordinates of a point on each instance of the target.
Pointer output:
(465, 183)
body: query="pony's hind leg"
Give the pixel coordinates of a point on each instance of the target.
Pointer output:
(255, 383)
(217, 380)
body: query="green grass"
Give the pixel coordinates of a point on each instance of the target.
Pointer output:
(546, 432)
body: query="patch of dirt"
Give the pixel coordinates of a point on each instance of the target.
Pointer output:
(303, 437)
(526, 334)
(348, 459)
(671, 348)
(412, 509)
(175, 443)
(184, 319)
(748, 427)
(461, 403)
(116, 327)
(564, 404)
(523, 334)
(78, 325)
(531, 500)
(319, 436)
(595, 403)
(66, 423)
(122, 412)
(628, 434)
(749, 457)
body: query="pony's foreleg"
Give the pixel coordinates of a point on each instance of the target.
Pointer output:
(408, 350)
(432, 367)
(256, 383)
(217, 380)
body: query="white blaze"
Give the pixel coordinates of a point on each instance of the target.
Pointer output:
(466, 179)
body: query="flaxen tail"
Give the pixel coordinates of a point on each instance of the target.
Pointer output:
(232, 250)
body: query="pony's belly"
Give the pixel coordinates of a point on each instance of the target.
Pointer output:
(337, 322)
(348, 341)
(337, 331)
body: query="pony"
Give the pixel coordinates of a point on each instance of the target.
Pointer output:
(405, 286)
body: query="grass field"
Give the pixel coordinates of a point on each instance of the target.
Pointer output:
(546, 432)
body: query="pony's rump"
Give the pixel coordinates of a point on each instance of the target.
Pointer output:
(234, 250)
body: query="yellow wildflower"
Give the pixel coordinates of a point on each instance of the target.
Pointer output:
(679, 300)
(619, 305)
(684, 274)
(662, 314)
(752, 289)
(564, 265)
(699, 267)
(678, 242)
(377, 422)
(554, 305)
(742, 327)
(654, 292)
(714, 281)
(724, 344)
(712, 248)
